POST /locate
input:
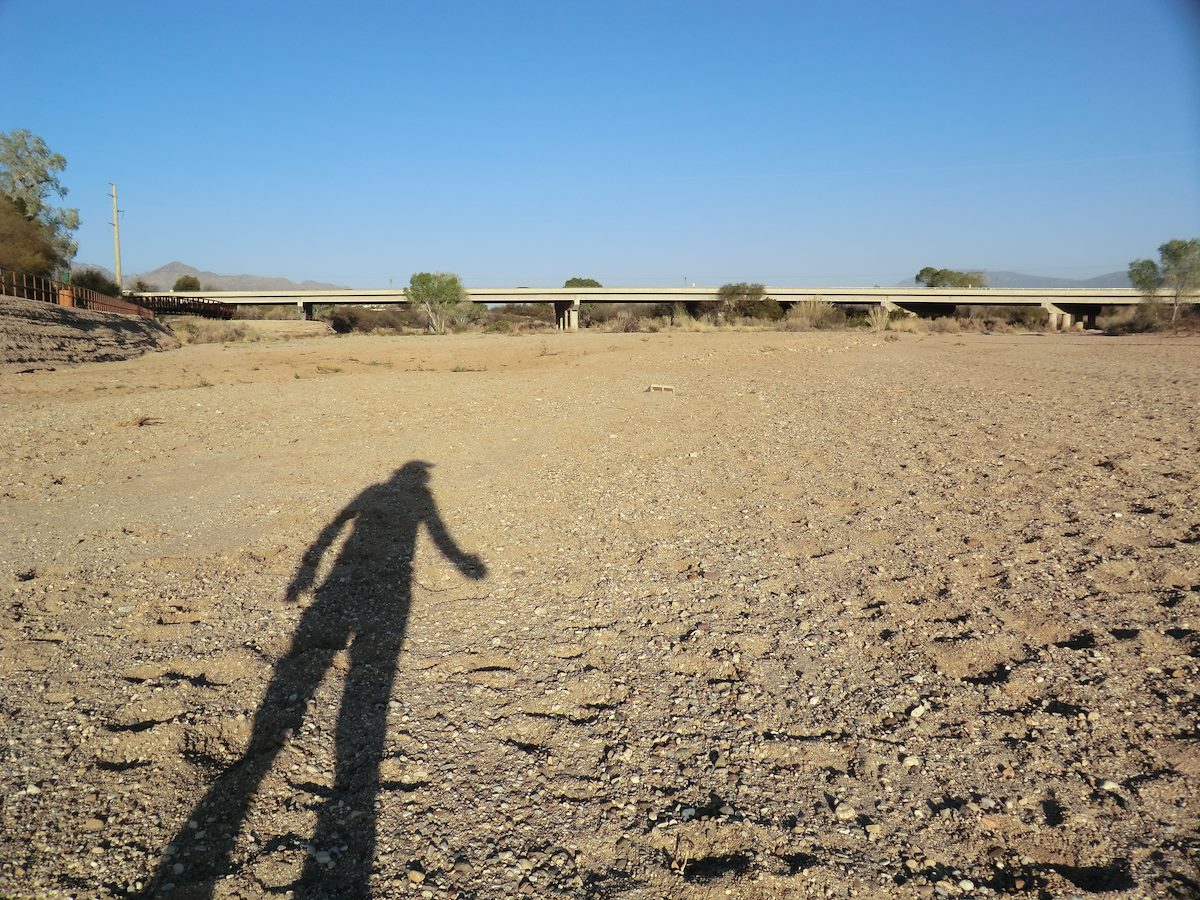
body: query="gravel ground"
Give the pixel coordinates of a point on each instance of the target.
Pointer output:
(481, 616)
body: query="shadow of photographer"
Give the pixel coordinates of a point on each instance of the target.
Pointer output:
(361, 606)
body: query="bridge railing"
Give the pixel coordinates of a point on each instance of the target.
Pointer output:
(171, 305)
(47, 290)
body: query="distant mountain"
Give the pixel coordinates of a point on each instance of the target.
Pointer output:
(1019, 280)
(165, 276)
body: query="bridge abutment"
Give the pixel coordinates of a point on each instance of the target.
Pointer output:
(922, 309)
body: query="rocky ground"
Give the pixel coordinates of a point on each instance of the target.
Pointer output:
(835, 616)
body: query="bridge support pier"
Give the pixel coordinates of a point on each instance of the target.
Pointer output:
(566, 315)
(1065, 317)
(306, 310)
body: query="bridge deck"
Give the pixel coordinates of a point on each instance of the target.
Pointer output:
(1063, 305)
(841, 295)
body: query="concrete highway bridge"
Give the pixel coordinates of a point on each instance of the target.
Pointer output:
(1067, 307)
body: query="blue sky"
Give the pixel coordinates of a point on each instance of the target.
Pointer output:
(521, 143)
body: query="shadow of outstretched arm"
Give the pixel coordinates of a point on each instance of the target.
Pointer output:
(307, 570)
(468, 563)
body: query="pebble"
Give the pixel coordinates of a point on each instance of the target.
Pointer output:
(415, 876)
(93, 824)
(845, 812)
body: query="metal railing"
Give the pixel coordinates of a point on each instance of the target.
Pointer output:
(171, 305)
(47, 290)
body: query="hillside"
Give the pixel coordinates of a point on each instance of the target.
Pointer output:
(1019, 280)
(165, 276)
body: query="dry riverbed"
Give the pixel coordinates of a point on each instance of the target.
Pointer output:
(481, 616)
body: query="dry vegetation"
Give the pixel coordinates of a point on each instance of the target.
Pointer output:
(843, 614)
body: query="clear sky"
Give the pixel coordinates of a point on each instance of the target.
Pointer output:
(642, 142)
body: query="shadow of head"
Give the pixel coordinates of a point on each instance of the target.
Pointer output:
(413, 473)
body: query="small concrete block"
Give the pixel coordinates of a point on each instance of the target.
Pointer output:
(661, 389)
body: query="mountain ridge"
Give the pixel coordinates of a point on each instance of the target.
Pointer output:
(164, 277)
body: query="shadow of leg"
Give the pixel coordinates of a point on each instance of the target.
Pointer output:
(346, 825)
(203, 848)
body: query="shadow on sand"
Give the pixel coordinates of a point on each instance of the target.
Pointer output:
(362, 605)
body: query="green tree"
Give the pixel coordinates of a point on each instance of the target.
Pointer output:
(28, 174)
(26, 245)
(936, 278)
(582, 282)
(442, 298)
(95, 280)
(739, 299)
(1177, 272)
(186, 283)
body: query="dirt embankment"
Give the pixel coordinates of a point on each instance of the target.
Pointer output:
(40, 335)
(479, 617)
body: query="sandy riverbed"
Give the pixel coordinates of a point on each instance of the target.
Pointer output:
(837, 615)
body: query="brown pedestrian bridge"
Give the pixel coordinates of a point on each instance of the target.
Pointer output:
(1067, 307)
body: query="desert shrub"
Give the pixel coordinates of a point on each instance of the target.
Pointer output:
(767, 310)
(191, 330)
(905, 324)
(626, 323)
(267, 311)
(944, 325)
(995, 325)
(538, 311)
(1132, 320)
(806, 315)
(592, 314)
(346, 319)
(518, 318)
(1002, 318)
(467, 317)
(499, 326)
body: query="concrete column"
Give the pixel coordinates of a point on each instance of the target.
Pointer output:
(1060, 319)
(566, 315)
(306, 310)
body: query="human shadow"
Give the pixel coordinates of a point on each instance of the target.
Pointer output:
(362, 605)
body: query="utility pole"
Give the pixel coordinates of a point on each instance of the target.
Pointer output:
(116, 224)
